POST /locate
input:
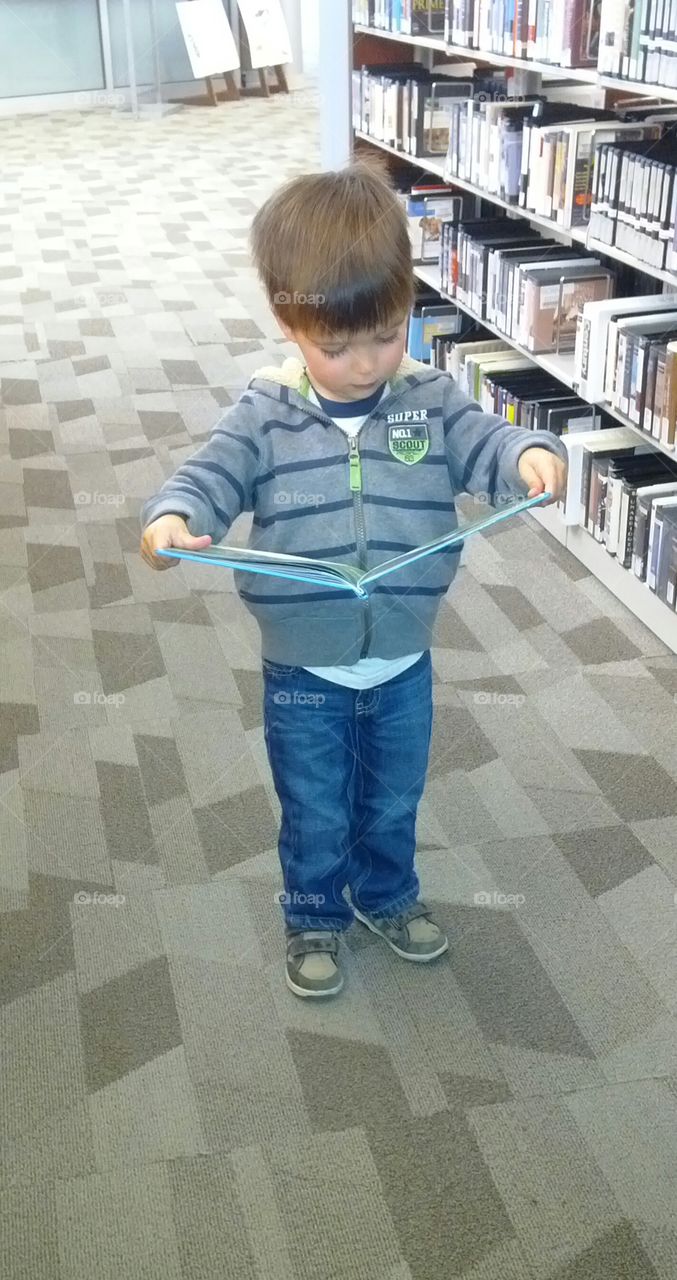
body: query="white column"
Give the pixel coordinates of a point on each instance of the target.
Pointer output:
(335, 85)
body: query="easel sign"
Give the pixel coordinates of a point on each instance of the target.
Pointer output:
(267, 34)
(209, 39)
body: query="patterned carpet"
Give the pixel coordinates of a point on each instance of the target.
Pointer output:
(168, 1109)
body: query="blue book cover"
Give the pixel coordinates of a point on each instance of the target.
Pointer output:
(415, 339)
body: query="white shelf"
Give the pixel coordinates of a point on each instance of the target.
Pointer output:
(424, 42)
(635, 595)
(431, 164)
(579, 75)
(638, 88)
(643, 435)
(596, 246)
(569, 233)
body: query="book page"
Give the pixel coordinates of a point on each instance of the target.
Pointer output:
(452, 538)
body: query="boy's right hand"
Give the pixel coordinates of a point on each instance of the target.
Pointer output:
(169, 531)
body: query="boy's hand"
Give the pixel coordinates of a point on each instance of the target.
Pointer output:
(169, 531)
(544, 472)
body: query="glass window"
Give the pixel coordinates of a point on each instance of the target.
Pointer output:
(173, 58)
(49, 46)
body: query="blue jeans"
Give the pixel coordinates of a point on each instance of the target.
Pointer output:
(349, 768)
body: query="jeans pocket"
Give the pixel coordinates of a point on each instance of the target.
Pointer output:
(277, 669)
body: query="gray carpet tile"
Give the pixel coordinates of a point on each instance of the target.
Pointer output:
(509, 1113)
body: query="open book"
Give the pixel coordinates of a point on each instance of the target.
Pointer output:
(346, 577)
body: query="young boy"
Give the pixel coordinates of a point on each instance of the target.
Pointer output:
(316, 450)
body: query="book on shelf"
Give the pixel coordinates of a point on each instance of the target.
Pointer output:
(428, 207)
(563, 33)
(429, 113)
(403, 17)
(619, 483)
(430, 319)
(554, 297)
(529, 288)
(581, 448)
(641, 380)
(597, 336)
(634, 198)
(376, 94)
(638, 41)
(644, 498)
(406, 106)
(506, 383)
(625, 496)
(661, 562)
(540, 154)
(342, 577)
(428, 17)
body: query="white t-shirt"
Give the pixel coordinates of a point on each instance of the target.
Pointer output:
(367, 672)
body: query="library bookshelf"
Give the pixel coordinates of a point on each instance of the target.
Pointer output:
(635, 595)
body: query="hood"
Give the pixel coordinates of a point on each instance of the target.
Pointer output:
(292, 374)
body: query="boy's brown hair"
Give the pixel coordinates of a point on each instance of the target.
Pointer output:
(333, 252)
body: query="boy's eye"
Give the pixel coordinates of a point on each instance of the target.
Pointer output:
(332, 354)
(393, 338)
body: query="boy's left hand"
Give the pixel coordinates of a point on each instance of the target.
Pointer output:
(544, 472)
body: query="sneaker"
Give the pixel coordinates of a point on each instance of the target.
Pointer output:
(312, 968)
(412, 934)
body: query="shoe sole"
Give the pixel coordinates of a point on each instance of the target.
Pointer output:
(406, 955)
(317, 995)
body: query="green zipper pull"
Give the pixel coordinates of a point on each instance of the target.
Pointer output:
(355, 468)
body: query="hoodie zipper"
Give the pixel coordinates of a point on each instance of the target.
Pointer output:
(355, 464)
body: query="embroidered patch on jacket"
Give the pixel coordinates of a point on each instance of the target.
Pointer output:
(408, 440)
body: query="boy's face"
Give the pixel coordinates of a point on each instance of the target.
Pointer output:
(351, 367)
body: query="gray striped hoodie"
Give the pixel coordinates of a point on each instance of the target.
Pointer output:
(315, 493)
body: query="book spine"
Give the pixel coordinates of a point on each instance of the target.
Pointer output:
(659, 394)
(648, 407)
(627, 535)
(653, 556)
(640, 537)
(669, 417)
(671, 586)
